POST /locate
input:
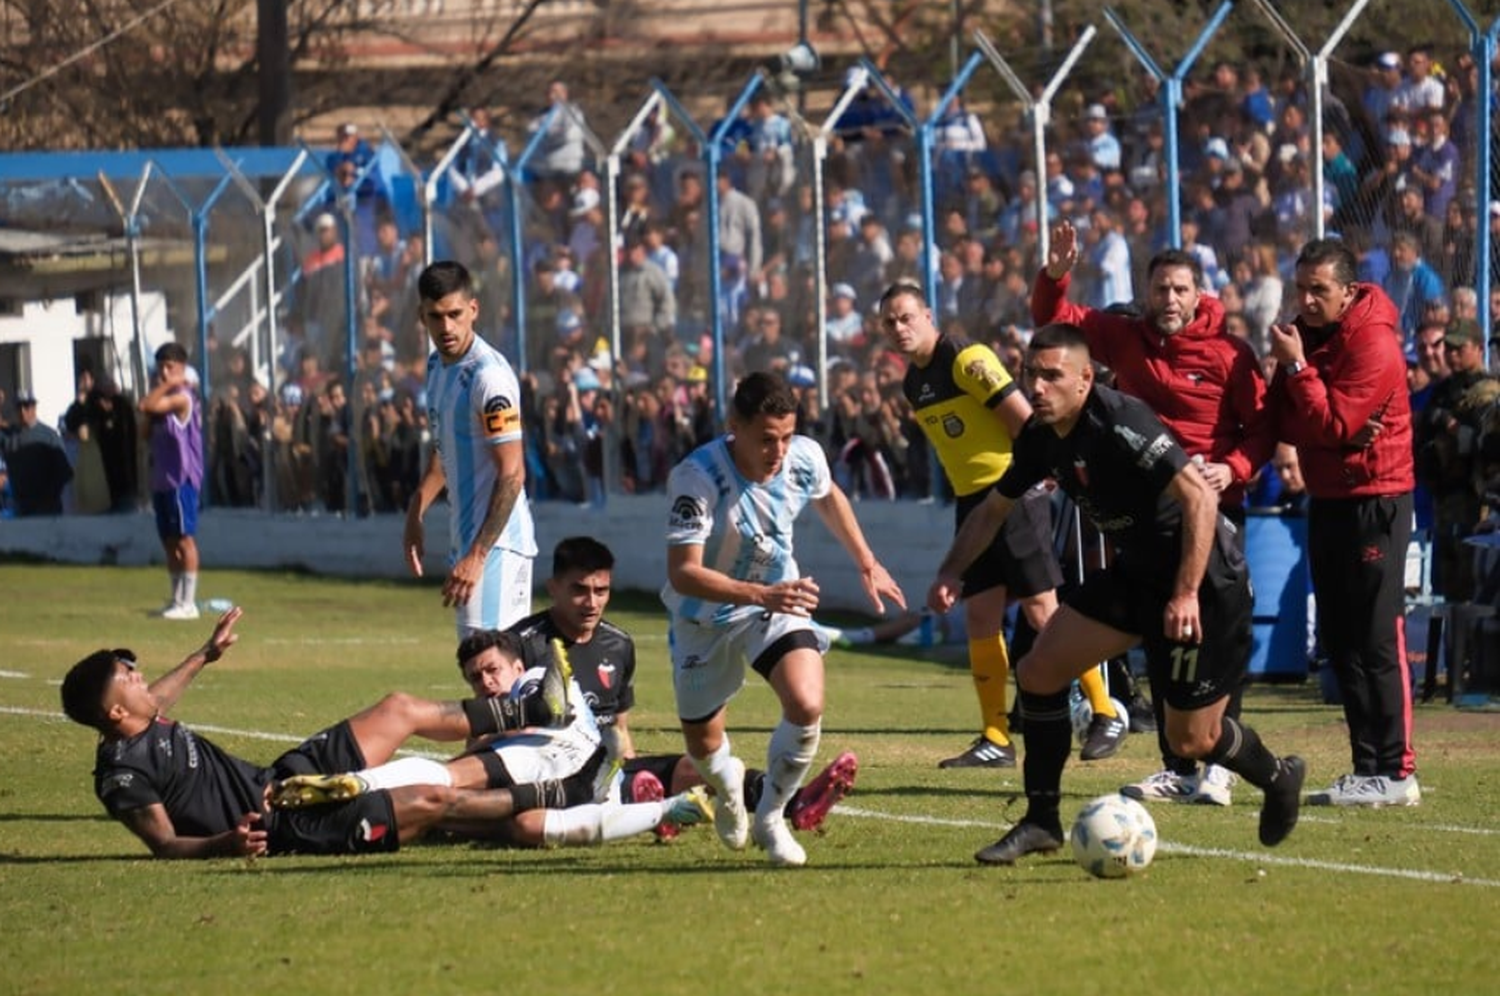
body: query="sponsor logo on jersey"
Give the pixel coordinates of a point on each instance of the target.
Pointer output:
(692, 661)
(688, 513)
(116, 782)
(1154, 452)
(1134, 440)
(985, 375)
(953, 426)
(500, 416)
(372, 833)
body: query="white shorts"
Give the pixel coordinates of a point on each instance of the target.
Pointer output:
(709, 662)
(502, 597)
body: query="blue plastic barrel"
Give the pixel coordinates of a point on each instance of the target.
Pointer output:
(1276, 550)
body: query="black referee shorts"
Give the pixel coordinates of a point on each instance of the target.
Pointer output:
(1021, 558)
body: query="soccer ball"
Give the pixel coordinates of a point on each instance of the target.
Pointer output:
(1114, 837)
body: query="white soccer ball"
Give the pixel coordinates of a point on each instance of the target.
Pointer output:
(1114, 837)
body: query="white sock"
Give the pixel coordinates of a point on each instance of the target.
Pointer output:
(189, 588)
(715, 768)
(406, 771)
(176, 588)
(591, 825)
(790, 755)
(860, 637)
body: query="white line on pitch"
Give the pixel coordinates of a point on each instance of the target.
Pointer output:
(14, 674)
(1260, 857)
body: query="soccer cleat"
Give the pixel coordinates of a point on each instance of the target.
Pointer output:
(1374, 791)
(1105, 735)
(646, 787)
(302, 791)
(1142, 716)
(180, 613)
(826, 790)
(686, 809)
(982, 753)
(556, 681)
(775, 838)
(1215, 787)
(1278, 814)
(731, 822)
(1022, 839)
(1164, 786)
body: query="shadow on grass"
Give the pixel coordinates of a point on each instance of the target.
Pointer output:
(69, 859)
(55, 818)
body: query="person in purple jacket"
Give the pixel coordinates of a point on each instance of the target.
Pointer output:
(174, 431)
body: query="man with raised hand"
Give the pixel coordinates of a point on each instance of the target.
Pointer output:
(737, 598)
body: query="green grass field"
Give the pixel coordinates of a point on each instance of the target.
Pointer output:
(1397, 901)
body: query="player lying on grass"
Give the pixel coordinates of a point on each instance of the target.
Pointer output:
(602, 662)
(515, 757)
(185, 797)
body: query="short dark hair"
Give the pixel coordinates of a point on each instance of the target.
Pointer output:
(171, 352)
(763, 393)
(1176, 258)
(477, 643)
(581, 553)
(1059, 335)
(1331, 251)
(901, 288)
(86, 682)
(443, 278)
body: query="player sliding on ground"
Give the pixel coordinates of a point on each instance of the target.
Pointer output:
(1178, 585)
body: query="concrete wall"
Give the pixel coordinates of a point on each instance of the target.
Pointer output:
(908, 538)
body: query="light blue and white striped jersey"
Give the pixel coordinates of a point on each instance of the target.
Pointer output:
(473, 405)
(745, 528)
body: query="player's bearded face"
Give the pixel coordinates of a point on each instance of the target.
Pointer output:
(449, 322)
(1173, 299)
(1057, 381)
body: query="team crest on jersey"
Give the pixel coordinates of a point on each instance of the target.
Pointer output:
(500, 416)
(688, 512)
(953, 426)
(985, 375)
(1081, 471)
(372, 833)
(607, 674)
(802, 478)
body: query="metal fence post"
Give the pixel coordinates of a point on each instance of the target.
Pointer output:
(925, 144)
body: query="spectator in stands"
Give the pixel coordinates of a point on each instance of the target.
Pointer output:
(1241, 209)
(563, 147)
(38, 465)
(587, 222)
(1435, 165)
(768, 348)
(771, 169)
(1263, 294)
(1411, 283)
(1421, 91)
(321, 300)
(1103, 147)
(1380, 95)
(1340, 174)
(1424, 227)
(1108, 263)
(636, 210)
(739, 225)
(544, 300)
(958, 295)
(108, 417)
(1456, 263)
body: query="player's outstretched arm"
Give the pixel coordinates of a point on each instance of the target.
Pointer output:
(838, 515)
(976, 534)
(170, 686)
(152, 825)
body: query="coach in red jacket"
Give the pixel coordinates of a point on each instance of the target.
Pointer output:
(1339, 395)
(1205, 386)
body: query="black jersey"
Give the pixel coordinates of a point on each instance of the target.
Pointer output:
(205, 790)
(604, 667)
(1116, 465)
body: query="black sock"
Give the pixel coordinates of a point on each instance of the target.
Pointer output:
(755, 783)
(496, 715)
(1240, 750)
(1049, 741)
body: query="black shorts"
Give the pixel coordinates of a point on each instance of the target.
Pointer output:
(1186, 676)
(365, 824)
(1021, 558)
(330, 752)
(663, 766)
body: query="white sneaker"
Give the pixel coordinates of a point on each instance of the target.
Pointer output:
(775, 838)
(180, 613)
(1215, 787)
(1374, 791)
(731, 822)
(1164, 786)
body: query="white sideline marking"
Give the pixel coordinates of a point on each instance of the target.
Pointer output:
(14, 674)
(1261, 857)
